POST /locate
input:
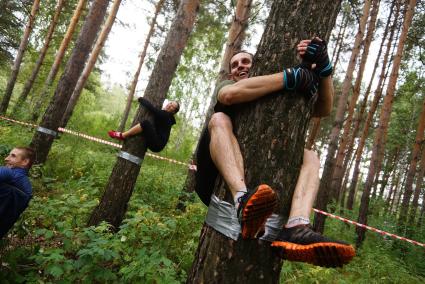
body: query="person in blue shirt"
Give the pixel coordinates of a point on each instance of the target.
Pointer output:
(15, 186)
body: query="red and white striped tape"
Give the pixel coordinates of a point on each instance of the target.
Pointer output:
(369, 228)
(193, 168)
(99, 140)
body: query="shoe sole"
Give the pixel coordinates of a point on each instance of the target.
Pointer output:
(321, 254)
(256, 211)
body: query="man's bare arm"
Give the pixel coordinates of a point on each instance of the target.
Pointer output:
(250, 89)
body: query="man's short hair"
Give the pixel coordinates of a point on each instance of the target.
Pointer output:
(28, 153)
(237, 52)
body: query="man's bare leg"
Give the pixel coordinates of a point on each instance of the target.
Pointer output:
(225, 152)
(305, 191)
(297, 241)
(253, 207)
(132, 131)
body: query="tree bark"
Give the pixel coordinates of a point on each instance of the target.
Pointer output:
(113, 203)
(408, 191)
(373, 107)
(380, 134)
(314, 130)
(324, 194)
(271, 133)
(132, 87)
(91, 62)
(235, 39)
(18, 60)
(339, 170)
(42, 142)
(58, 59)
(29, 83)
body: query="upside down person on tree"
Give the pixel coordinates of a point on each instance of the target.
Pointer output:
(156, 134)
(219, 153)
(15, 186)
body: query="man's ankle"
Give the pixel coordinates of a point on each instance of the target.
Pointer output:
(297, 221)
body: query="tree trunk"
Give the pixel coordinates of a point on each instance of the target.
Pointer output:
(236, 35)
(270, 155)
(314, 130)
(91, 62)
(235, 39)
(340, 38)
(58, 59)
(389, 171)
(132, 87)
(113, 203)
(339, 170)
(418, 189)
(29, 83)
(324, 194)
(408, 191)
(41, 141)
(18, 60)
(373, 107)
(380, 135)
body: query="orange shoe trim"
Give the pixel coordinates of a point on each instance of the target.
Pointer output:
(258, 208)
(321, 254)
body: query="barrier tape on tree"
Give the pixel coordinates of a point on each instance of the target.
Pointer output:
(193, 168)
(369, 228)
(92, 138)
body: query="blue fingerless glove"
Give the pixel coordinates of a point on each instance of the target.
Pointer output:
(317, 53)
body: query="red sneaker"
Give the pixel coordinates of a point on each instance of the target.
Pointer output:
(116, 135)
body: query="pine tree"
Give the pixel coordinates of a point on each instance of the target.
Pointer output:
(270, 156)
(42, 142)
(113, 203)
(18, 60)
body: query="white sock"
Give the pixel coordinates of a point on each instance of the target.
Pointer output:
(238, 194)
(295, 221)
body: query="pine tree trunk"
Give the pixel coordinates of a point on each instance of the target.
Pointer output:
(339, 170)
(408, 191)
(270, 156)
(42, 142)
(58, 59)
(324, 194)
(132, 87)
(90, 63)
(314, 130)
(235, 39)
(389, 172)
(340, 38)
(18, 60)
(380, 135)
(113, 203)
(29, 83)
(373, 107)
(418, 189)
(236, 35)
(360, 115)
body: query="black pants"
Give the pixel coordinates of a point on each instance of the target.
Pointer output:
(154, 141)
(207, 172)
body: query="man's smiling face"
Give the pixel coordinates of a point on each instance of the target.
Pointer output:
(240, 64)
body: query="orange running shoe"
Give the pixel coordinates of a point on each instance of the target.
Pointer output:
(301, 243)
(254, 209)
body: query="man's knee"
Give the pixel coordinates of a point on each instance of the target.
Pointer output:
(311, 159)
(220, 120)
